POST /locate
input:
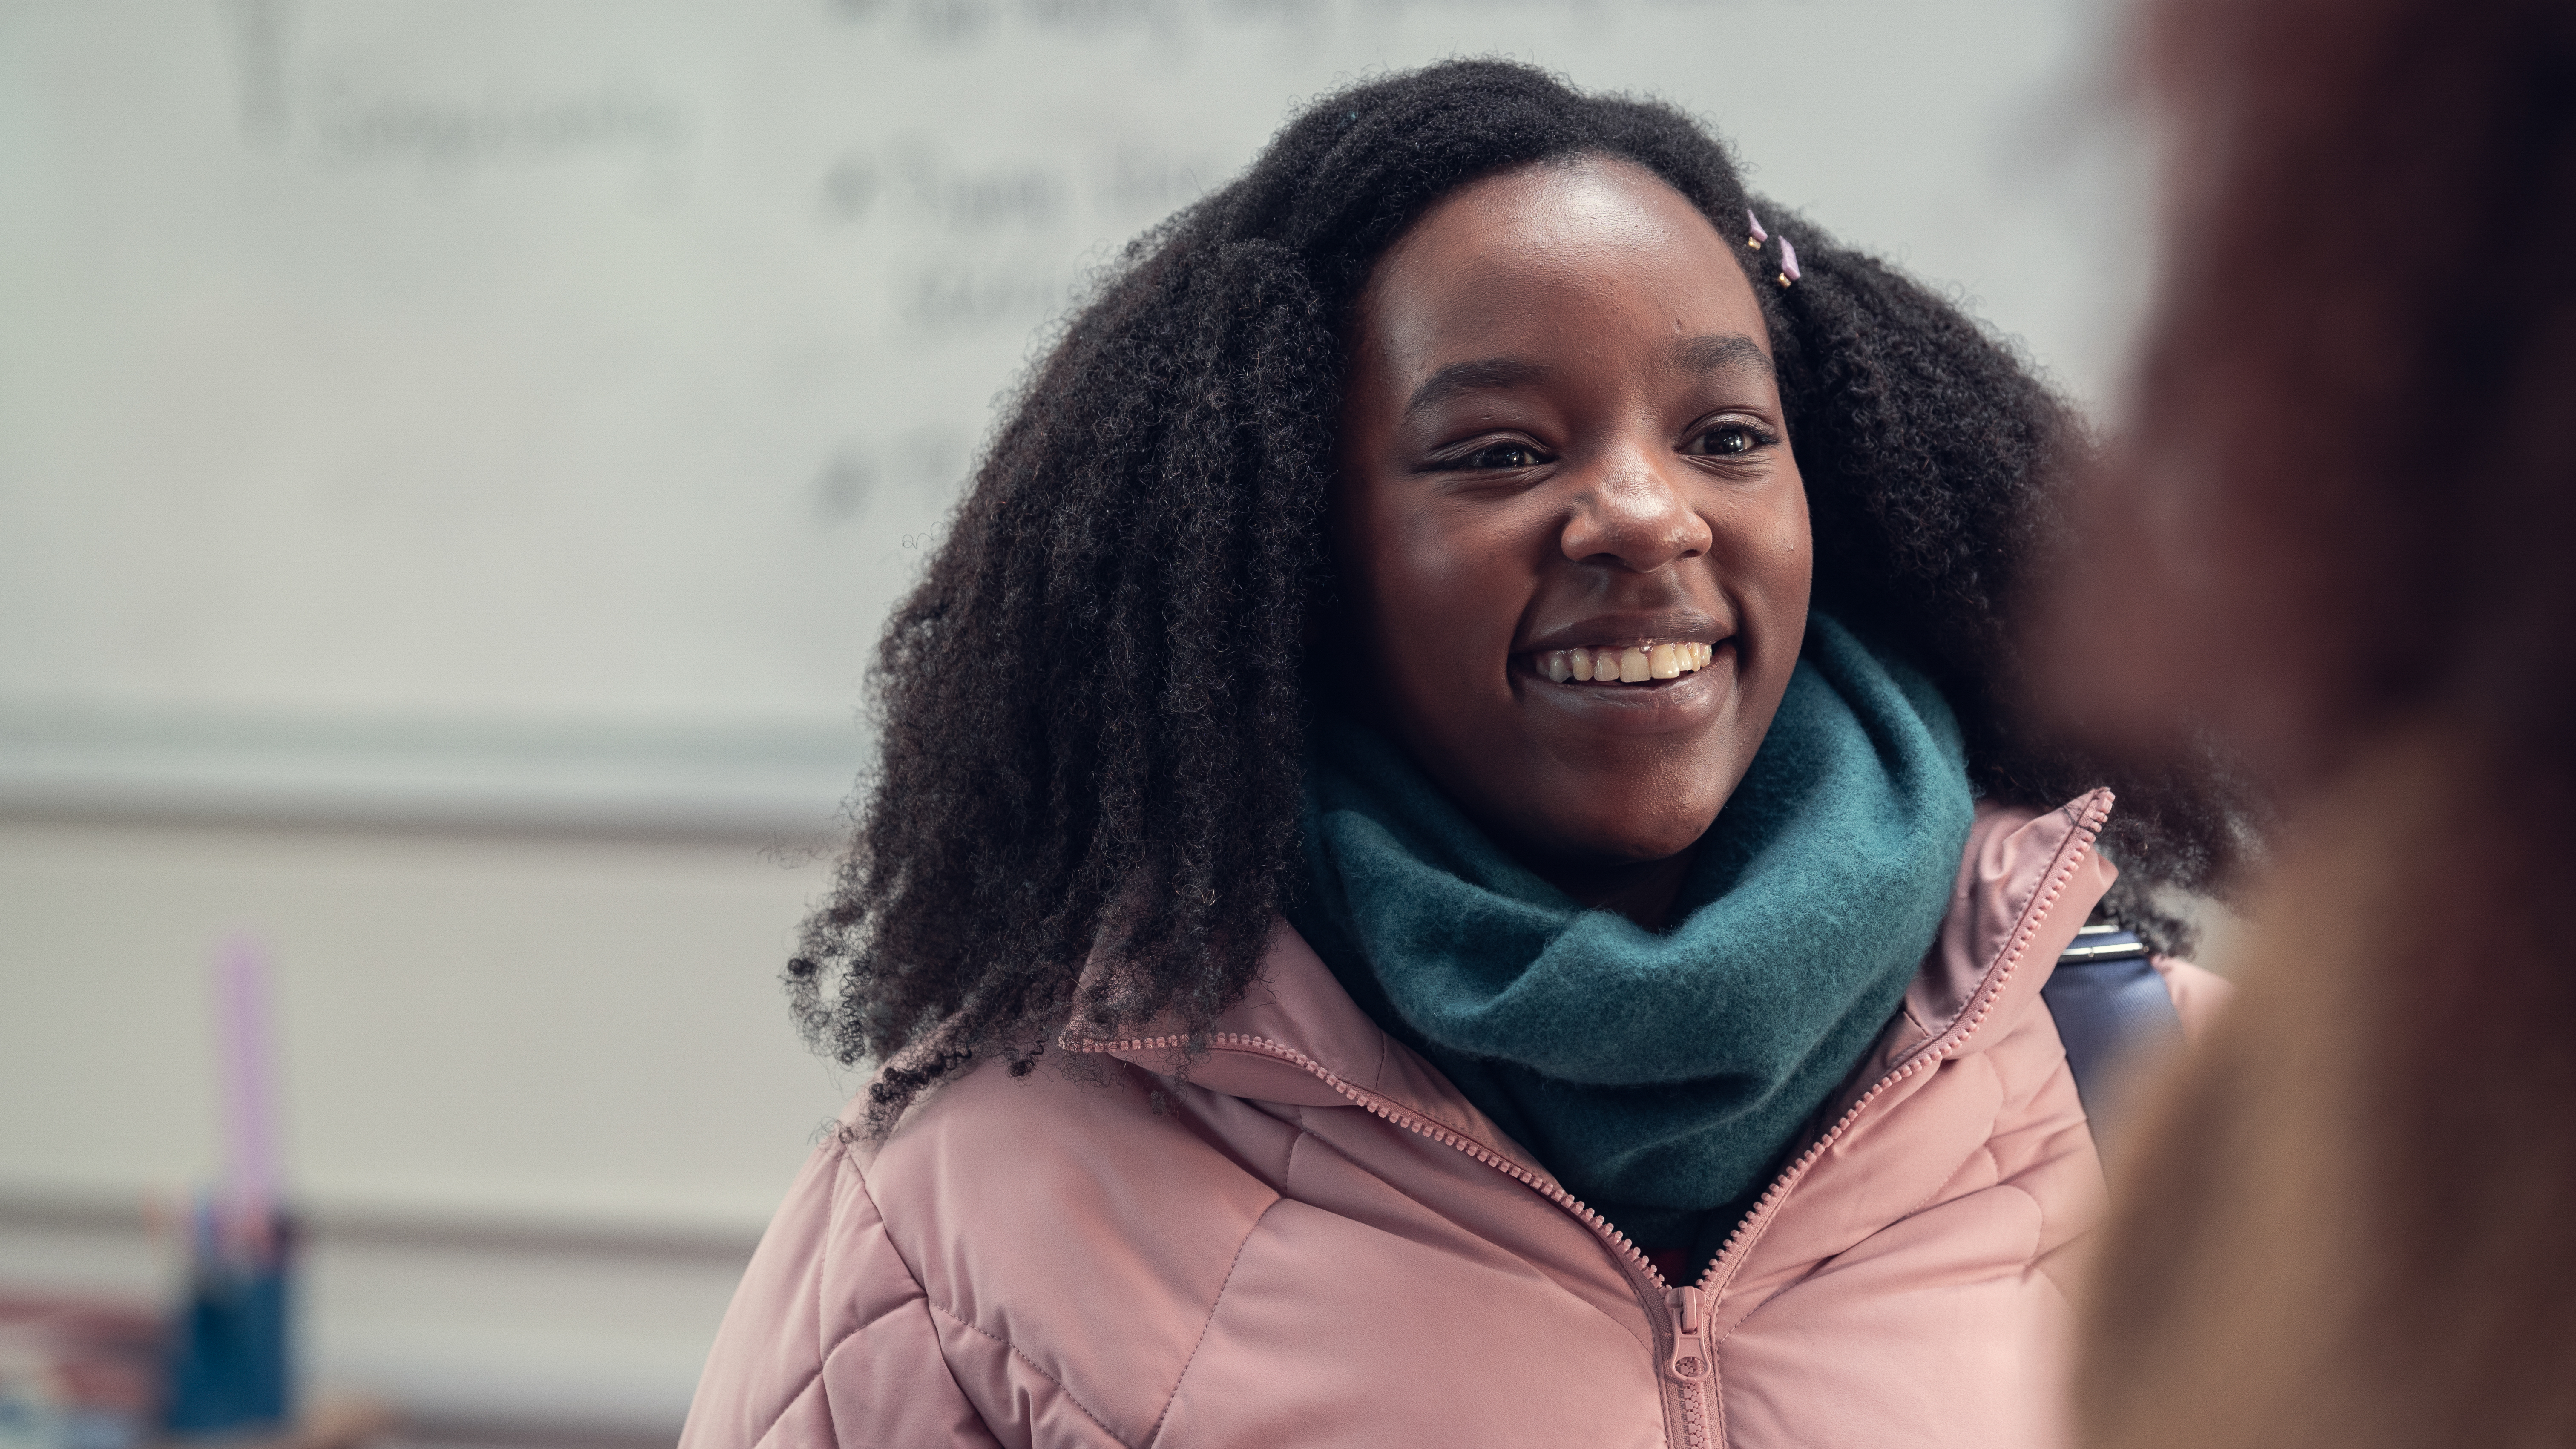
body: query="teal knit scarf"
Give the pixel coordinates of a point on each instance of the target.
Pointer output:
(1662, 1077)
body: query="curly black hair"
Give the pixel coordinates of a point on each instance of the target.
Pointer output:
(1093, 709)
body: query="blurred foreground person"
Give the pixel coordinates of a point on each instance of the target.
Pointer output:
(2350, 501)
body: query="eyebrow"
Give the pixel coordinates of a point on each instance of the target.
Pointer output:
(1723, 352)
(1484, 374)
(1716, 352)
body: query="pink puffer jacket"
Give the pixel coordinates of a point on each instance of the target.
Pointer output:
(1312, 1239)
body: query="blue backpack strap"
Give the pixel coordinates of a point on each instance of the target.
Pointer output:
(2109, 1000)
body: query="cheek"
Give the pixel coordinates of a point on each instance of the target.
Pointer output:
(1440, 577)
(1786, 554)
(1398, 576)
(1764, 545)
(1433, 566)
(1371, 551)
(1437, 614)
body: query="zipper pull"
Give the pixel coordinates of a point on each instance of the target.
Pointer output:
(1690, 1355)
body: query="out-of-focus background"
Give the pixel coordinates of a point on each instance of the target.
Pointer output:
(454, 455)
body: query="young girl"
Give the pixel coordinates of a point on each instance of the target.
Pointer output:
(1448, 866)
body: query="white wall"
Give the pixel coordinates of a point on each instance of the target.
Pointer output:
(526, 406)
(453, 456)
(548, 1030)
(540, 1094)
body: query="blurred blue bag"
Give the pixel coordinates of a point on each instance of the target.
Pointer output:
(229, 1367)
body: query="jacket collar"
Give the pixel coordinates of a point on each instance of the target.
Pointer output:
(2027, 880)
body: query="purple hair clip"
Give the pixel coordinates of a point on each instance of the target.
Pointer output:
(1759, 235)
(1788, 262)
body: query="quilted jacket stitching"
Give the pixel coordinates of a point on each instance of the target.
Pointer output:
(1213, 1304)
(798, 1397)
(1034, 1366)
(823, 1342)
(1326, 1144)
(823, 1357)
(2038, 1225)
(1985, 1147)
(920, 1301)
(822, 1270)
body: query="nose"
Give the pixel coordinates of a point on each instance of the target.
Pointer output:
(1632, 510)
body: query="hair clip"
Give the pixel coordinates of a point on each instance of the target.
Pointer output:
(1788, 262)
(1754, 241)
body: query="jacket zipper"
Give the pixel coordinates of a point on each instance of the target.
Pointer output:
(1682, 1355)
(1679, 1315)
(1730, 1257)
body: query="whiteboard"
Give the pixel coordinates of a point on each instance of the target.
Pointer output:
(528, 409)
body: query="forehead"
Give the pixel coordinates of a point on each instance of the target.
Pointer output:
(1531, 252)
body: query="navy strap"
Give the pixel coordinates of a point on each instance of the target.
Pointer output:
(2109, 1000)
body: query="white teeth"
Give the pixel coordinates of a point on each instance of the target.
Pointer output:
(1634, 664)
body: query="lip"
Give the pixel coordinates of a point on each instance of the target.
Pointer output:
(1665, 706)
(1617, 631)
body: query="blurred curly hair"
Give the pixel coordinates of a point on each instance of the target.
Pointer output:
(1093, 708)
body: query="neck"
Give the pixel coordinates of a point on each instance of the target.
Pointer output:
(1641, 890)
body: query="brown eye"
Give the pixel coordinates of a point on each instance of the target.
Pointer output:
(1728, 440)
(1502, 456)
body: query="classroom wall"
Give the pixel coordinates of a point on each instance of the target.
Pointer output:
(454, 455)
(540, 1093)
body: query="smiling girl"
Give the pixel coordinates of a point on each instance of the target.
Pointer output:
(1449, 866)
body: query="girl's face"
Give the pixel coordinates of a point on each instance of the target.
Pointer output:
(1562, 453)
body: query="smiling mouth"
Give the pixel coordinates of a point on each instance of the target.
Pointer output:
(1649, 662)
